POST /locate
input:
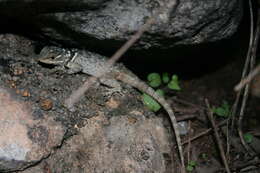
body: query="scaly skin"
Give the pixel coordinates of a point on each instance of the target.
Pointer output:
(91, 64)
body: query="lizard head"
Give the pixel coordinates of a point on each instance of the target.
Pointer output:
(55, 55)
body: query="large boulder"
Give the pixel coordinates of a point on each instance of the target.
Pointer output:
(112, 22)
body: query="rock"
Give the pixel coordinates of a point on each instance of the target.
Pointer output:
(114, 145)
(109, 26)
(111, 134)
(13, 46)
(24, 140)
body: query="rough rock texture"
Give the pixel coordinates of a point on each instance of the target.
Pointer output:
(23, 139)
(110, 25)
(113, 133)
(29, 7)
(120, 144)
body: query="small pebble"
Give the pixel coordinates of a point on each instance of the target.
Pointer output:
(132, 120)
(46, 104)
(25, 93)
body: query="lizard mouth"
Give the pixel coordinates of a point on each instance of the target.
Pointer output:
(50, 59)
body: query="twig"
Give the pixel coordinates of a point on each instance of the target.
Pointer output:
(248, 79)
(254, 162)
(75, 96)
(220, 146)
(186, 117)
(203, 133)
(252, 43)
(245, 71)
(185, 102)
(246, 91)
(189, 144)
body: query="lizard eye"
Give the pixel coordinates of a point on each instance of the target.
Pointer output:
(52, 57)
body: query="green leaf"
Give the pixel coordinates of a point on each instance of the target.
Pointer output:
(192, 163)
(223, 110)
(174, 83)
(248, 137)
(220, 111)
(154, 80)
(165, 77)
(190, 168)
(150, 102)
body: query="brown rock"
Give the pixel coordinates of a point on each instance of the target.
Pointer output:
(46, 104)
(24, 140)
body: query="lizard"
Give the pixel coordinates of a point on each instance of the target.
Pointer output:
(75, 60)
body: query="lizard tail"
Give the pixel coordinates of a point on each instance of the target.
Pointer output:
(142, 86)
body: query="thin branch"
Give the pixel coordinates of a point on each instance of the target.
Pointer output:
(189, 144)
(75, 96)
(203, 133)
(248, 79)
(245, 71)
(246, 91)
(220, 146)
(246, 65)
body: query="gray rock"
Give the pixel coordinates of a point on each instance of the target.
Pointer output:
(189, 22)
(106, 24)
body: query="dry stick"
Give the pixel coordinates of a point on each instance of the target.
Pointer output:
(75, 96)
(222, 153)
(245, 69)
(189, 144)
(238, 168)
(185, 117)
(203, 133)
(248, 79)
(187, 103)
(252, 63)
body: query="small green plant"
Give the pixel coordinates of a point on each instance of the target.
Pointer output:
(150, 102)
(165, 78)
(248, 137)
(155, 80)
(174, 83)
(223, 110)
(191, 165)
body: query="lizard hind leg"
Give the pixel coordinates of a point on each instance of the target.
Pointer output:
(73, 67)
(113, 87)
